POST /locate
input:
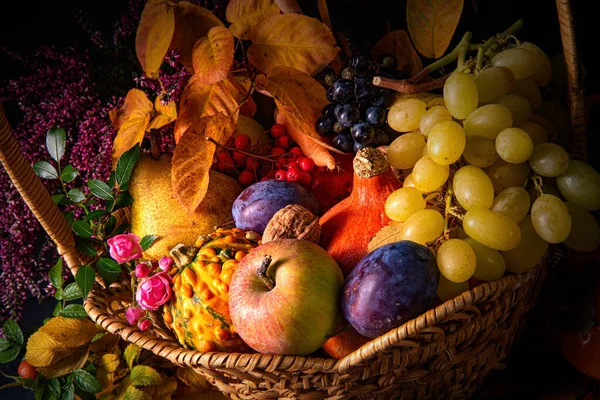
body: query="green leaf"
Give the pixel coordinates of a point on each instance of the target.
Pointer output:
(72, 292)
(57, 198)
(98, 336)
(132, 352)
(58, 295)
(76, 195)
(142, 375)
(108, 269)
(5, 344)
(125, 165)
(69, 217)
(68, 391)
(56, 274)
(58, 309)
(9, 354)
(147, 241)
(86, 246)
(13, 332)
(27, 383)
(74, 311)
(95, 214)
(54, 388)
(83, 229)
(55, 143)
(85, 279)
(86, 381)
(125, 199)
(100, 189)
(121, 229)
(69, 173)
(110, 224)
(45, 170)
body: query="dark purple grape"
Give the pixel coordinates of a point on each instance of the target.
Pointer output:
(359, 63)
(343, 143)
(381, 99)
(358, 146)
(348, 115)
(375, 115)
(363, 132)
(328, 110)
(362, 88)
(388, 61)
(381, 138)
(342, 91)
(329, 94)
(324, 126)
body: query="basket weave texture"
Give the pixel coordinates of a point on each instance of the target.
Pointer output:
(442, 354)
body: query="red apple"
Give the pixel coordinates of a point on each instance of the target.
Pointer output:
(284, 297)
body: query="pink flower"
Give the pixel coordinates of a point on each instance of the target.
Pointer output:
(142, 270)
(125, 247)
(165, 263)
(133, 314)
(154, 291)
(144, 324)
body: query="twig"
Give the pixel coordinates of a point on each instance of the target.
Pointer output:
(213, 141)
(405, 86)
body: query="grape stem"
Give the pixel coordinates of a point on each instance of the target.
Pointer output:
(482, 50)
(449, 196)
(538, 184)
(404, 86)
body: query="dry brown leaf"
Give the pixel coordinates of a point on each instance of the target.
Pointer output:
(241, 93)
(292, 40)
(193, 157)
(191, 23)
(212, 56)
(324, 13)
(201, 99)
(192, 379)
(165, 389)
(132, 120)
(76, 359)
(246, 14)
(164, 115)
(398, 44)
(388, 234)
(154, 34)
(432, 23)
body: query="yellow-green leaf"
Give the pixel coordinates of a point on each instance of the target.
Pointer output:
(292, 40)
(193, 379)
(398, 44)
(246, 14)
(143, 375)
(132, 352)
(133, 393)
(212, 56)
(76, 359)
(164, 115)
(191, 23)
(388, 234)
(432, 23)
(154, 35)
(105, 369)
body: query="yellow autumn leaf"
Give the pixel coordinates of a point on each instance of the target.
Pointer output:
(164, 115)
(191, 23)
(43, 351)
(388, 234)
(398, 44)
(71, 331)
(106, 367)
(246, 14)
(154, 35)
(132, 352)
(200, 99)
(241, 90)
(212, 56)
(74, 361)
(292, 40)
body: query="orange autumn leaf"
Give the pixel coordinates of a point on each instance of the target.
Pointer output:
(246, 14)
(399, 45)
(289, 6)
(292, 40)
(191, 23)
(200, 99)
(132, 121)
(241, 89)
(165, 114)
(324, 13)
(432, 23)
(154, 34)
(193, 157)
(212, 56)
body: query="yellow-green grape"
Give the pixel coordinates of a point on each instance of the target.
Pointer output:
(406, 150)
(544, 122)
(447, 290)
(432, 117)
(456, 260)
(408, 182)
(492, 229)
(436, 101)
(473, 188)
(403, 203)
(494, 82)
(514, 145)
(446, 142)
(504, 175)
(536, 132)
(490, 264)
(528, 89)
(518, 106)
(423, 226)
(480, 151)
(488, 121)
(549, 159)
(513, 202)
(427, 175)
(405, 115)
(522, 62)
(460, 95)
(461, 234)
(580, 184)
(551, 219)
(529, 252)
(542, 76)
(585, 232)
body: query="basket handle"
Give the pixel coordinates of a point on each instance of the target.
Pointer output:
(35, 195)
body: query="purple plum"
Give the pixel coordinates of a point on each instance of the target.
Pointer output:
(256, 205)
(390, 286)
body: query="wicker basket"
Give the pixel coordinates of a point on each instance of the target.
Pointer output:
(444, 353)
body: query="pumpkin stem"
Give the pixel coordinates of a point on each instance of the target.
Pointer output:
(262, 272)
(370, 162)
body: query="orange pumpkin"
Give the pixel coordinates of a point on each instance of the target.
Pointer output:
(345, 342)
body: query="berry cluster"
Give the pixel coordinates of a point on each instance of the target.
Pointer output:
(357, 113)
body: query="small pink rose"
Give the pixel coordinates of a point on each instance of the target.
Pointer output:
(165, 263)
(125, 247)
(144, 324)
(142, 270)
(154, 291)
(133, 314)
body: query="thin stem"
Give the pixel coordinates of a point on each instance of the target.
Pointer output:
(405, 86)
(239, 151)
(482, 50)
(449, 196)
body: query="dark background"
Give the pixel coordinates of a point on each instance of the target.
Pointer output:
(28, 24)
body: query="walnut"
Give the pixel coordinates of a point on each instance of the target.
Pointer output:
(293, 222)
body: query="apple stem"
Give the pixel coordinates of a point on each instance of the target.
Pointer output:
(262, 272)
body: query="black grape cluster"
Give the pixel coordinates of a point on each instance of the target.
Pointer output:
(357, 113)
